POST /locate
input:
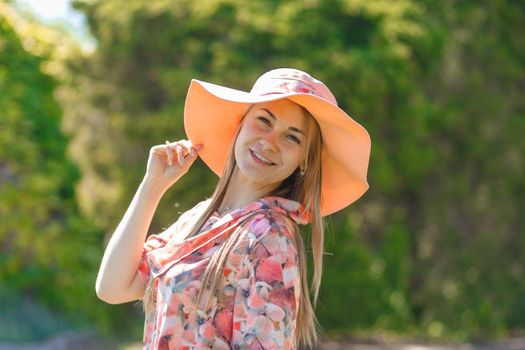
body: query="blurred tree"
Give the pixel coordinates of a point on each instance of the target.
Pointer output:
(48, 251)
(471, 67)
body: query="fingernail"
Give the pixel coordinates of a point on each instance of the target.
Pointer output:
(199, 147)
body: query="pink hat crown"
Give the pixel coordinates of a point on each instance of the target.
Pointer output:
(289, 80)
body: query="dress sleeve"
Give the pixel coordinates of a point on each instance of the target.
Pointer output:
(268, 294)
(154, 241)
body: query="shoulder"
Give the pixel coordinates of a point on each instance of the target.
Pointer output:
(267, 221)
(272, 231)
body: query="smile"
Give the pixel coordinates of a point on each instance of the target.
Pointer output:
(261, 158)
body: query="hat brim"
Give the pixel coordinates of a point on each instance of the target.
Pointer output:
(212, 114)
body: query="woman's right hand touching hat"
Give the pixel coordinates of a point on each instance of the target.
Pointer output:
(167, 163)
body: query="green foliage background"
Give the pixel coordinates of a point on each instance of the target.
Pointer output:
(434, 249)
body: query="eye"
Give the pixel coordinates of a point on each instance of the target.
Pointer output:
(294, 138)
(265, 120)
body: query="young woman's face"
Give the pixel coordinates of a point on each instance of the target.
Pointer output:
(271, 142)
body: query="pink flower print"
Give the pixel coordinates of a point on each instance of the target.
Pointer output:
(271, 245)
(262, 327)
(259, 226)
(228, 291)
(278, 338)
(255, 301)
(240, 311)
(290, 274)
(274, 312)
(283, 247)
(250, 207)
(173, 338)
(228, 296)
(244, 286)
(223, 324)
(288, 343)
(258, 301)
(284, 298)
(207, 331)
(260, 252)
(189, 296)
(254, 344)
(263, 289)
(190, 293)
(220, 344)
(234, 261)
(171, 324)
(190, 313)
(164, 342)
(175, 306)
(283, 87)
(269, 270)
(188, 337)
(211, 248)
(143, 269)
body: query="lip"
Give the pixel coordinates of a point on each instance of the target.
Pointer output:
(258, 161)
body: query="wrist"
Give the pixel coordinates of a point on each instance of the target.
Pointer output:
(153, 186)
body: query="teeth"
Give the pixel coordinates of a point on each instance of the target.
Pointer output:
(266, 160)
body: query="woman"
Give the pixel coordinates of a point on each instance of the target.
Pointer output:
(231, 272)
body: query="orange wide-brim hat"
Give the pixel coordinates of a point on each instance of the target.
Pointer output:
(212, 114)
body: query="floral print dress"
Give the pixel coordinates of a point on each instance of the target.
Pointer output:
(260, 283)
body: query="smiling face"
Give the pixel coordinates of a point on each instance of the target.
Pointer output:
(271, 143)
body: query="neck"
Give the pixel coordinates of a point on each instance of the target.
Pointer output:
(241, 191)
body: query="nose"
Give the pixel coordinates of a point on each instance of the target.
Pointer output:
(268, 142)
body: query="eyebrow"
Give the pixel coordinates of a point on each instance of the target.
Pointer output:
(293, 128)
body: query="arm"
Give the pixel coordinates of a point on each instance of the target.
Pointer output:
(118, 280)
(268, 295)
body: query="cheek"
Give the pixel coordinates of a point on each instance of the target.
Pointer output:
(244, 139)
(293, 157)
(251, 129)
(241, 138)
(247, 132)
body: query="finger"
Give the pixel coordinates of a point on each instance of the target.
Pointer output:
(181, 149)
(186, 143)
(186, 146)
(190, 158)
(159, 150)
(192, 148)
(169, 154)
(180, 154)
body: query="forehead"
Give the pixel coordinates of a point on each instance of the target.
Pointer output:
(284, 110)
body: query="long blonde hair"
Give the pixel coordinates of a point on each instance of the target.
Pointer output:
(303, 187)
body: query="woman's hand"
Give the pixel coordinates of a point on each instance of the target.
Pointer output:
(167, 163)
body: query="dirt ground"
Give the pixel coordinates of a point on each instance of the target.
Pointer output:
(89, 341)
